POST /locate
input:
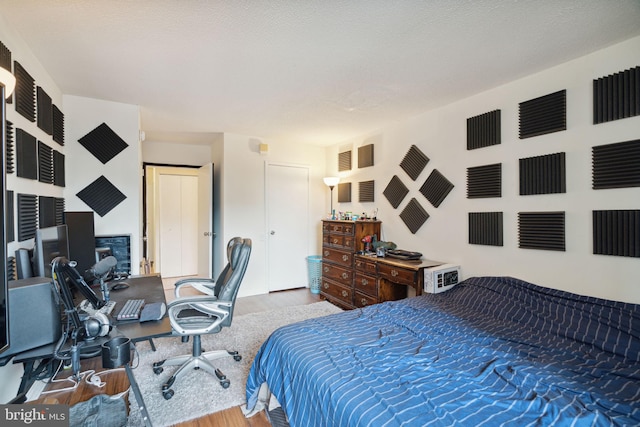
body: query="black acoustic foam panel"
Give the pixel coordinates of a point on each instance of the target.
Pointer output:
(366, 191)
(344, 161)
(616, 96)
(27, 216)
(485, 228)
(45, 111)
(414, 162)
(344, 192)
(59, 208)
(543, 115)
(58, 125)
(616, 233)
(543, 174)
(365, 156)
(414, 215)
(436, 188)
(101, 196)
(45, 163)
(26, 154)
(484, 181)
(10, 218)
(25, 93)
(9, 158)
(46, 211)
(103, 143)
(616, 165)
(483, 130)
(58, 169)
(541, 230)
(395, 191)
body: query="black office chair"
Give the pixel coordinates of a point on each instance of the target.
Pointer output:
(193, 316)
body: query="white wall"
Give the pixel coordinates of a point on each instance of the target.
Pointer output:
(243, 193)
(441, 135)
(124, 171)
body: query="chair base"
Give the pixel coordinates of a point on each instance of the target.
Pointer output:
(197, 360)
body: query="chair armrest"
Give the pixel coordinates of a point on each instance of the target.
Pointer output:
(203, 285)
(205, 304)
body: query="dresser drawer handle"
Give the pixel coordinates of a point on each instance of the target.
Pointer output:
(394, 273)
(326, 269)
(326, 285)
(335, 241)
(345, 293)
(336, 228)
(365, 282)
(327, 253)
(345, 257)
(345, 276)
(363, 301)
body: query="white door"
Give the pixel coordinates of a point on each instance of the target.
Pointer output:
(178, 224)
(205, 221)
(287, 226)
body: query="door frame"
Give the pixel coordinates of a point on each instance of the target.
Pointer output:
(146, 209)
(268, 163)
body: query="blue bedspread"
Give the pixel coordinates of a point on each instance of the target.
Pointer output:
(491, 351)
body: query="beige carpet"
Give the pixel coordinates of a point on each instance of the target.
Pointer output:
(198, 393)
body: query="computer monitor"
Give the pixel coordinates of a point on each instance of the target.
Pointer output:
(50, 242)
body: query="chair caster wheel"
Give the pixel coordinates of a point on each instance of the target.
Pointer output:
(237, 358)
(167, 394)
(225, 383)
(157, 370)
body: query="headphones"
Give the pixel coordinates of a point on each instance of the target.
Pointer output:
(97, 325)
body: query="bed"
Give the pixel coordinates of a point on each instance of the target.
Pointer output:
(491, 351)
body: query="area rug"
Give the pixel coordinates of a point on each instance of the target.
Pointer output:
(198, 393)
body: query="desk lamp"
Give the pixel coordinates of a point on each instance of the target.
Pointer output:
(332, 181)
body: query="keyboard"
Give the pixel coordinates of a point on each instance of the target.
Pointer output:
(107, 309)
(131, 310)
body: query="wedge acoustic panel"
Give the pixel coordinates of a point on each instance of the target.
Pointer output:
(58, 125)
(366, 191)
(58, 169)
(365, 156)
(483, 130)
(25, 92)
(103, 143)
(414, 215)
(414, 162)
(101, 196)
(9, 217)
(45, 163)
(45, 111)
(616, 165)
(9, 157)
(344, 161)
(541, 230)
(46, 212)
(26, 155)
(395, 191)
(543, 174)
(27, 216)
(616, 96)
(485, 228)
(344, 192)
(436, 188)
(616, 232)
(484, 181)
(543, 115)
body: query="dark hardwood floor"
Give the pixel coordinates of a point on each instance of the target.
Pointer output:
(117, 381)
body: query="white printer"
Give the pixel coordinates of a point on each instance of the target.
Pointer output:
(441, 278)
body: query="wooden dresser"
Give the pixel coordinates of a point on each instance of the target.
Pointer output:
(340, 241)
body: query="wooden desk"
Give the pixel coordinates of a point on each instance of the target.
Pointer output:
(386, 279)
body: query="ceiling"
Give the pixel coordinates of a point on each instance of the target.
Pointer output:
(303, 71)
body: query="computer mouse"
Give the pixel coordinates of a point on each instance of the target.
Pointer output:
(120, 286)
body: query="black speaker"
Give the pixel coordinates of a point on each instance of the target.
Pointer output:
(24, 268)
(82, 239)
(34, 315)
